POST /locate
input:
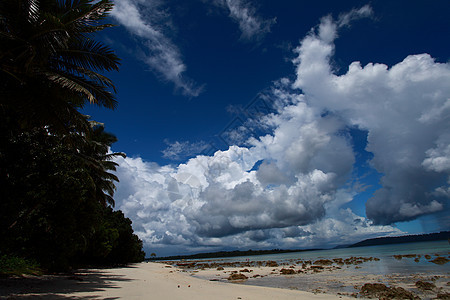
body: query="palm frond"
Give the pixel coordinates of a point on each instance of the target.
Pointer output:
(91, 54)
(48, 59)
(85, 17)
(51, 33)
(111, 156)
(94, 93)
(70, 68)
(99, 10)
(33, 11)
(99, 78)
(109, 165)
(72, 85)
(95, 28)
(110, 200)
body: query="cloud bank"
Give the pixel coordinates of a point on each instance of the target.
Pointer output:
(288, 188)
(405, 110)
(148, 22)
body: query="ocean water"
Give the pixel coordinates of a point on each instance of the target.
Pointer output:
(387, 269)
(387, 264)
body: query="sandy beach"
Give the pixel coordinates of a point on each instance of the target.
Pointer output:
(337, 278)
(356, 277)
(140, 281)
(341, 277)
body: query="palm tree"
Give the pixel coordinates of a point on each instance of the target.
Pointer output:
(50, 154)
(98, 160)
(50, 65)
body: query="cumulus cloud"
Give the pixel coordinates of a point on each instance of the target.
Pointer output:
(252, 26)
(438, 158)
(405, 110)
(288, 187)
(148, 21)
(224, 199)
(213, 202)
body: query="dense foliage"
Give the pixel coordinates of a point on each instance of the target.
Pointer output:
(234, 253)
(54, 201)
(437, 236)
(50, 65)
(12, 265)
(56, 185)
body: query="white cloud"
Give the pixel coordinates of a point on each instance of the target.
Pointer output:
(252, 26)
(405, 111)
(213, 202)
(182, 150)
(223, 200)
(357, 13)
(438, 158)
(295, 197)
(146, 21)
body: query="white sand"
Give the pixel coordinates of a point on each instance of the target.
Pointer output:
(150, 281)
(156, 281)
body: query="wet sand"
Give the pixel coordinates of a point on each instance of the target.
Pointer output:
(352, 277)
(139, 281)
(336, 278)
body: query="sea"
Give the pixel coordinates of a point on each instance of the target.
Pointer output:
(387, 267)
(388, 263)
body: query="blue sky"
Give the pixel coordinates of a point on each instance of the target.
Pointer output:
(280, 124)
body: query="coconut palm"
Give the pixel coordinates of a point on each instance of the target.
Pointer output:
(56, 179)
(100, 162)
(50, 65)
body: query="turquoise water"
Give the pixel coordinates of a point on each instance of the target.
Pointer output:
(387, 264)
(387, 270)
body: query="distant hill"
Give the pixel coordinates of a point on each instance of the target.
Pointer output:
(222, 254)
(441, 236)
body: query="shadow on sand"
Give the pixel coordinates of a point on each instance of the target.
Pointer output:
(58, 287)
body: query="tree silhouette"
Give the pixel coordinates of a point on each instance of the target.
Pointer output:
(50, 65)
(56, 201)
(56, 168)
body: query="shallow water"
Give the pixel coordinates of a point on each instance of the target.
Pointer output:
(387, 264)
(347, 280)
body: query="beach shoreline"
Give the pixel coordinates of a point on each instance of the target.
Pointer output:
(139, 281)
(356, 277)
(334, 278)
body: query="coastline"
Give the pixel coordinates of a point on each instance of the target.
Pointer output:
(140, 281)
(399, 276)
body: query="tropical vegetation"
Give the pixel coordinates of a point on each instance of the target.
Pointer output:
(56, 170)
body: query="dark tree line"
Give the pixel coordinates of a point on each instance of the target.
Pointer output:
(56, 180)
(437, 236)
(234, 253)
